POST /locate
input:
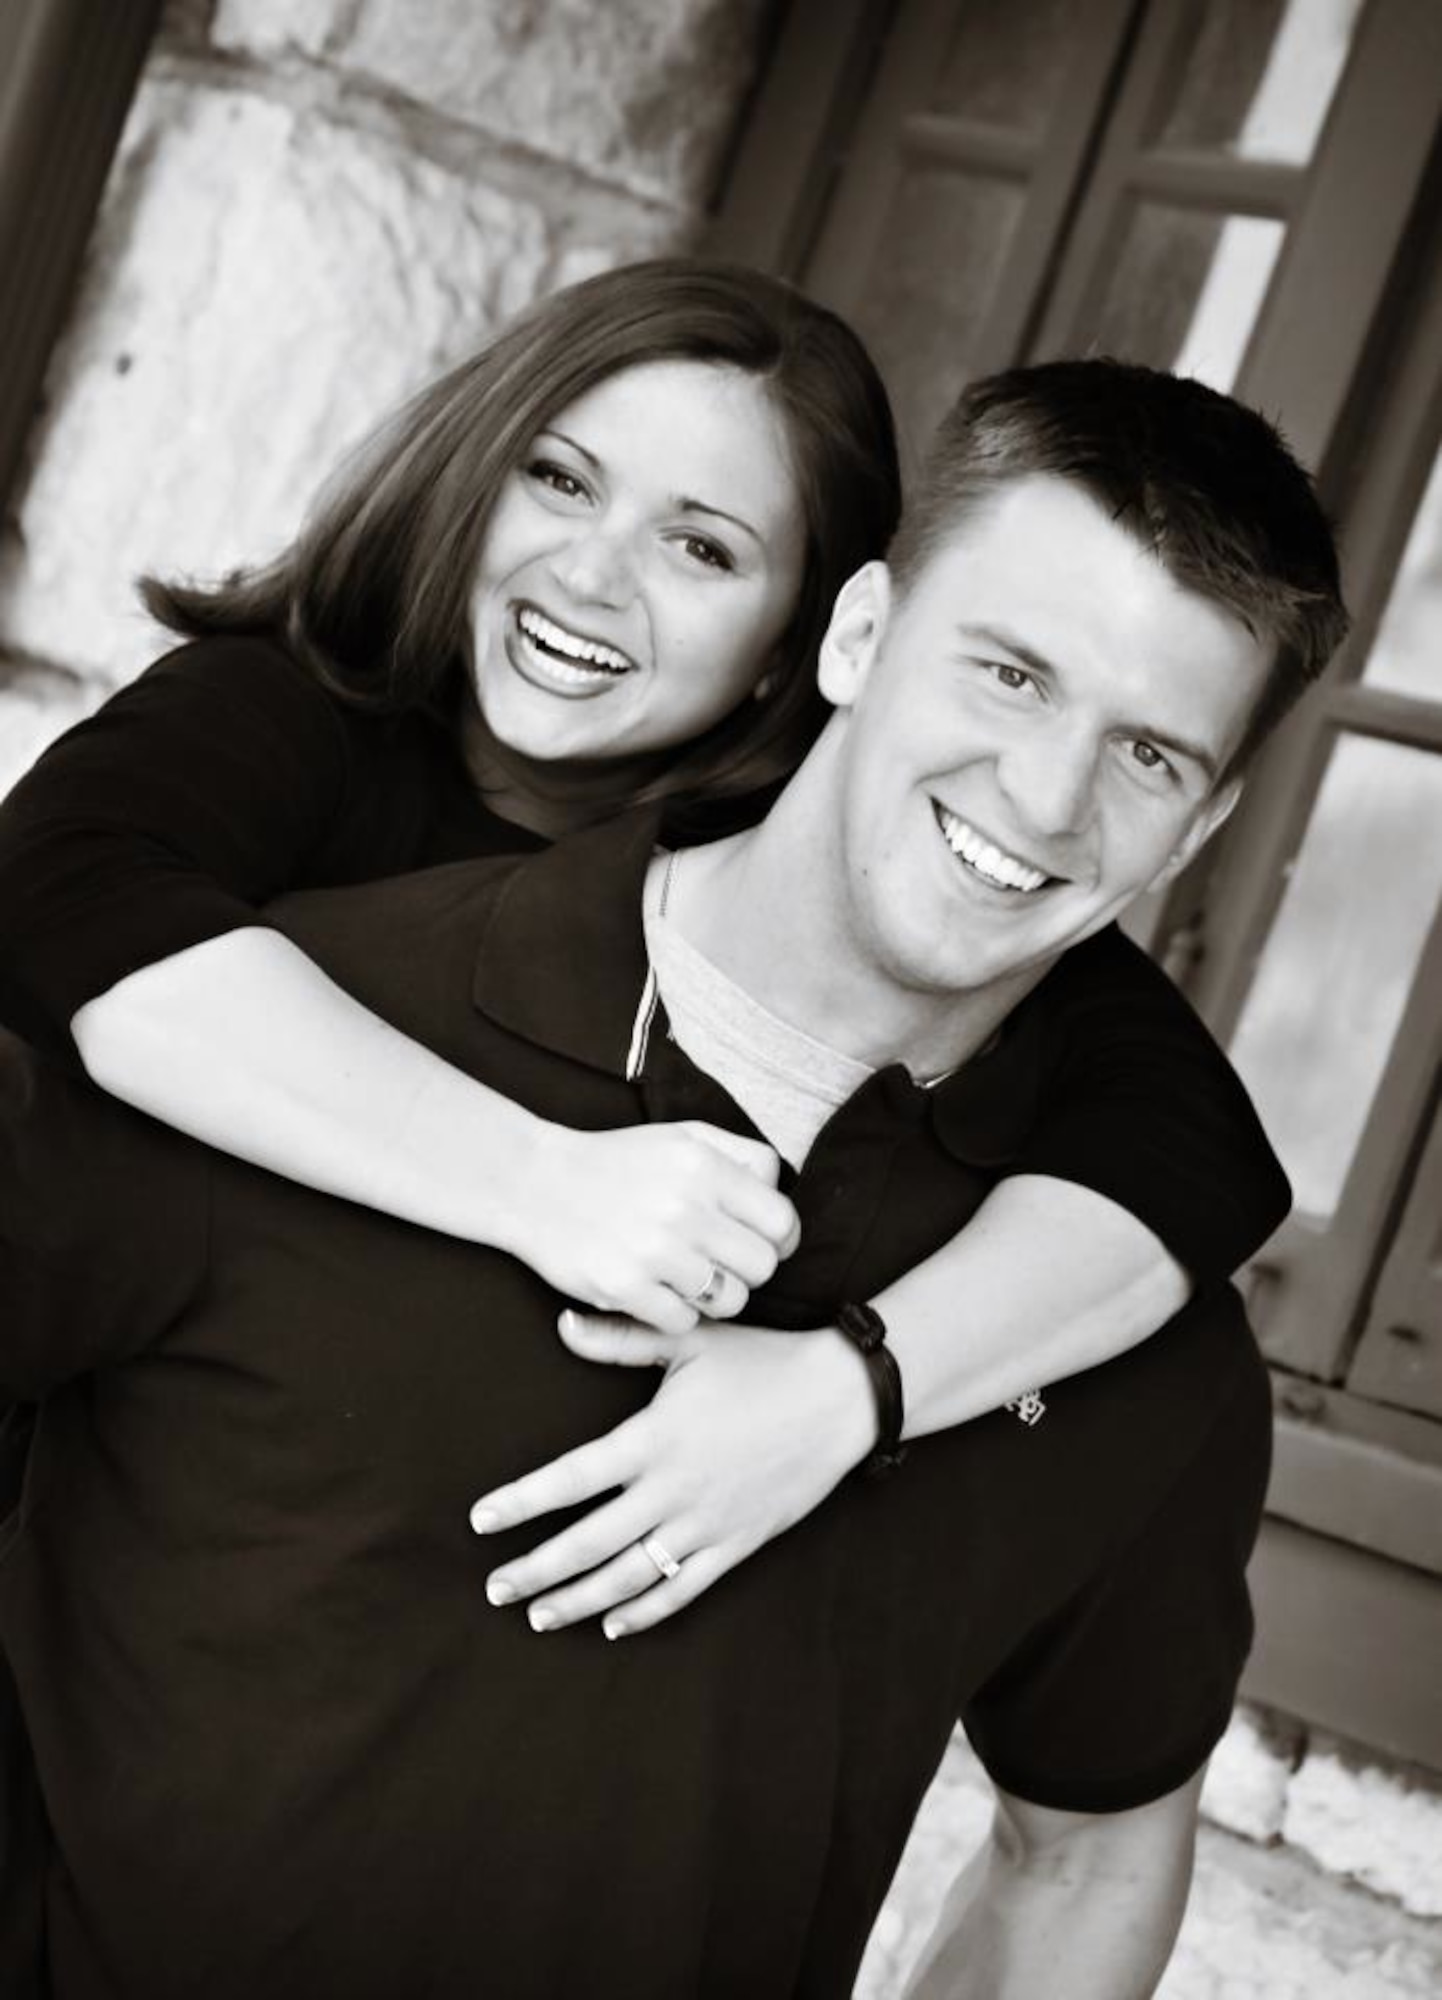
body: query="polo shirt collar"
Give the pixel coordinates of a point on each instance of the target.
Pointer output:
(562, 958)
(562, 962)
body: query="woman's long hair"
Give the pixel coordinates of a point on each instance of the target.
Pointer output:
(374, 595)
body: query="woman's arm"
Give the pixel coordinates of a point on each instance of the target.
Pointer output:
(1052, 1275)
(149, 836)
(245, 1043)
(751, 1429)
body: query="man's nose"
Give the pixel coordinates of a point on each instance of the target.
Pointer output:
(1050, 780)
(597, 566)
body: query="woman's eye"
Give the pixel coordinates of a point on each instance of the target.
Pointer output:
(557, 478)
(703, 550)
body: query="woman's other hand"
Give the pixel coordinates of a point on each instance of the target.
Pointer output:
(749, 1431)
(662, 1223)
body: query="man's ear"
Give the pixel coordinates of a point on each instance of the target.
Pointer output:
(1214, 812)
(853, 638)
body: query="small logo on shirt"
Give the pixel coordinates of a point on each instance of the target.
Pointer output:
(1029, 1407)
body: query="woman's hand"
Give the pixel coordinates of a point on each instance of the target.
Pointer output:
(748, 1432)
(658, 1222)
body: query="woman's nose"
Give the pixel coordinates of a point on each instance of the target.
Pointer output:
(596, 567)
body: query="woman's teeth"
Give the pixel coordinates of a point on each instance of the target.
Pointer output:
(565, 649)
(1000, 870)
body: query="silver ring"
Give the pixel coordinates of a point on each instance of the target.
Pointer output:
(710, 1291)
(657, 1550)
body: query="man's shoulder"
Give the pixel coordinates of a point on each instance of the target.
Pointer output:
(546, 944)
(1110, 969)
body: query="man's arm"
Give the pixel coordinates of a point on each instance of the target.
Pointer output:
(1086, 1904)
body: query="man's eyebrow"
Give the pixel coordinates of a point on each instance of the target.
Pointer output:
(1002, 641)
(1180, 746)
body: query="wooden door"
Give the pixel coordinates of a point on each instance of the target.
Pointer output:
(1244, 190)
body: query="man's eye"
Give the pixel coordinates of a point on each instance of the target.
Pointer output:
(1009, 676)
(1150, 758)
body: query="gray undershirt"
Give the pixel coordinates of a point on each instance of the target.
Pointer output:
(786, 1081)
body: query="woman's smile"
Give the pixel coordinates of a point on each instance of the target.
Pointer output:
(560, 660)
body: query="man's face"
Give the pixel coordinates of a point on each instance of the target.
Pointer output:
(1031, 738)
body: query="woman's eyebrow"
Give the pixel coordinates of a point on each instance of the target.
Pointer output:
(574, 444)
(682, 502)
(686, 505)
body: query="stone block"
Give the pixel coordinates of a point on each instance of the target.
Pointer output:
(641, 92)
(1382, 1826)
(185, 23)
(266, 283)
(1246, 1783)
(270, 28)
(1262, 1924)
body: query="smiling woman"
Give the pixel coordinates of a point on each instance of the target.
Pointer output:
(641, 570)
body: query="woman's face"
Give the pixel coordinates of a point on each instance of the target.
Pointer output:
(641, 564)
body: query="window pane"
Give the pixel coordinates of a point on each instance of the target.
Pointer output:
(1007, 64)
(1185, 290)
(926, 298)
(1318, 1025)
(1259, 77)
(1406, 654)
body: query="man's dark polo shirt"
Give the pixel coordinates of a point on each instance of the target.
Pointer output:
(289, 1749)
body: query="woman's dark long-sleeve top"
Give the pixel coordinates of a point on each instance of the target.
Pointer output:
(227, 775)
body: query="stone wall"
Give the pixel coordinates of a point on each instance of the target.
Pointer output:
(316, 205)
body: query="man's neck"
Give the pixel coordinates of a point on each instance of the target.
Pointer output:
(768, 907)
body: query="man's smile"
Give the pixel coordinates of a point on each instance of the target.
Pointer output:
(984, 859)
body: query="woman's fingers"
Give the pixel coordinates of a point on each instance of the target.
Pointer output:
(574, 1552)
(752, 1197)
(753, 1154)
(626, 1587)
(635, 1220)
(651, 1607)
(620, 1342)
(575, 1476)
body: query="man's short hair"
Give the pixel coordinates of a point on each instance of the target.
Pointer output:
(1207, 485)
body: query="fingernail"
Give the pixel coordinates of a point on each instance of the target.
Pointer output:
(615, 1628)
(499, 1591)
(484, 1520)
(542, 1618)
(566, 1321)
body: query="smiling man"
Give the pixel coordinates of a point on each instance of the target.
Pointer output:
(287, 1745)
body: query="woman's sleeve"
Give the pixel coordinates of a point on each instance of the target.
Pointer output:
(1143, 1106)
(166, 818)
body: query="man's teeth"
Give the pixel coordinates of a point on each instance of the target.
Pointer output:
(555, 639)
(1003, 871)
